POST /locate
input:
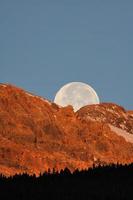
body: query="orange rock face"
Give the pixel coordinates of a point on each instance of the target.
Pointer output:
(36, 134)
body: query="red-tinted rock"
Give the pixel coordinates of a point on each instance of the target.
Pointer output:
(108, 113)
(36, 134)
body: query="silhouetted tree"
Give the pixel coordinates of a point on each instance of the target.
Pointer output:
(102, 182)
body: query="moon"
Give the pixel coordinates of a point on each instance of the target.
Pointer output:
(76, 94)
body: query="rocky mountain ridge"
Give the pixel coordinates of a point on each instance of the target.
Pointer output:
(36, 134)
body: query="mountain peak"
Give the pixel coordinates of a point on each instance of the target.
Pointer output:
(36, 134)
(109, 113)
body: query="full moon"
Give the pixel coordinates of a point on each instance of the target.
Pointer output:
(76, 94)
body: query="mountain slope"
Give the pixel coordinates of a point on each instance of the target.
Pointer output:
(36, 134)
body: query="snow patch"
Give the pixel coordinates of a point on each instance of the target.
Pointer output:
(3, 85)
(110, 110)
(44, 100)
(127, 136)
(38, 98)
(30, 94)
(122, 126)
(47, 101)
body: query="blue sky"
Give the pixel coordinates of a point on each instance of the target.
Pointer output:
(47, 43)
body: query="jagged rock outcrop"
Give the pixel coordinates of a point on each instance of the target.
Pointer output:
(36, 134)
(109, 113)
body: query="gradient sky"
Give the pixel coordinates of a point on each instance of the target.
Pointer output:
(47, 43)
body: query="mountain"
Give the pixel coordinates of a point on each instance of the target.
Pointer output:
(37, 135)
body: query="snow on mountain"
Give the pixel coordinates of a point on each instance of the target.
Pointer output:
(127, 136)
(36, 134)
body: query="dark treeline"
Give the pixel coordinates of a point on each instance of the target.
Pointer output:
(108, 182)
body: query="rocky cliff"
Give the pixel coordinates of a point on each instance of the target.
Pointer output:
(36, 134)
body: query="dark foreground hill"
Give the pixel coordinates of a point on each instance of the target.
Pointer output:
(36, 134)
(101, 183)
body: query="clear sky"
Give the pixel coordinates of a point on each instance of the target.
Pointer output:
(47, 43)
